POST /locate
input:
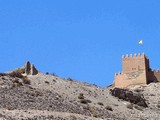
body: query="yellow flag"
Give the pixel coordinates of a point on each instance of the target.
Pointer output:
(140, 42)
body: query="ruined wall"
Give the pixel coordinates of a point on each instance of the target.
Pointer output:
(153, 76)
(30, 69)
(34, 71)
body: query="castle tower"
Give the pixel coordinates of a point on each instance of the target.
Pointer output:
(135, 63)
(134, 71)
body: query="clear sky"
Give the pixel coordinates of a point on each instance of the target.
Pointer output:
(80, 39)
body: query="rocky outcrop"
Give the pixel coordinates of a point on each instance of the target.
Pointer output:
(129, 96)
(30, 69)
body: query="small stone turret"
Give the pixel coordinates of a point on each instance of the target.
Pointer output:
(30, 69)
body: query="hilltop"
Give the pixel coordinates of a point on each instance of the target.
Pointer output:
(44, 96)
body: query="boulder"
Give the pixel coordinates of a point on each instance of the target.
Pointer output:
(129, 96)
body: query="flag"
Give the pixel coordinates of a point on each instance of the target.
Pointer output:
(140, 42)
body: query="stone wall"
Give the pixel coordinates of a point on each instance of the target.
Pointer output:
(125, 80)
(153, 76)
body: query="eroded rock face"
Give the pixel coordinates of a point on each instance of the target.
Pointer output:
(129, 96)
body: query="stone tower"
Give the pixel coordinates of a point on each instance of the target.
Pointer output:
(135, 69)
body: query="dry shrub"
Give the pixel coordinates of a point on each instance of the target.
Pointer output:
(137, 90)
(72, 117)
(15, 74)
(2, 74)
(130, 106)
(158, 105)
(152, 95)
(47, 73)
(70, 79)
(93, 111)
(80, 96)
(16, 82)
(46, 82)
(109, 108)
(26, 81)
(88, 101)
(85, 101)
(100, 103)
(138, 107)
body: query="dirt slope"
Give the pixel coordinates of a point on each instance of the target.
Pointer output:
(54, 98)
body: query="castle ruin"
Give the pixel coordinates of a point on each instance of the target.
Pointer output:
(135, 71)
(30, 69)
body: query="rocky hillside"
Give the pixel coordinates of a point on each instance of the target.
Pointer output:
(48, 97)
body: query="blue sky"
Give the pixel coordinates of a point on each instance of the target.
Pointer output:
(80, 39)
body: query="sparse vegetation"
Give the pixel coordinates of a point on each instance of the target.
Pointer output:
(88, 101)
(80, 96)
(47, 73)
(72, 98)
(100, 103)
(138, 90)
(93, 111)
(16, 82)
(158, 105)
(26, 81)
(130, 106)
(15, 74)
(70, 79)
(85, 101)
(2, 74)
(72, 117)
(109, 108)
(138, 107)
(46, 82)
(152, 95)
(54, 80)
(53, 74)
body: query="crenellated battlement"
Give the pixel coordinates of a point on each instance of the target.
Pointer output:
(133, 55)
(156, 70)
(117, 74)
(135, 71)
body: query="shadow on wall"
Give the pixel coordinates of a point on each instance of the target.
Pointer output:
(153, 76)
